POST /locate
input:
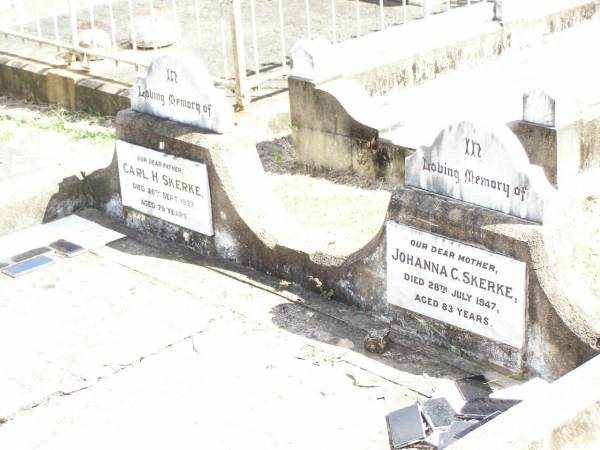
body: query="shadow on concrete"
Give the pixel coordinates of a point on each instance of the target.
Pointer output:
(301, 311)
(297, 319)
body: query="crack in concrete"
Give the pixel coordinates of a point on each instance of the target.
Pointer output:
(318, 354)
(63, 393)
(285, 295)
(290, 297)
(385, 378)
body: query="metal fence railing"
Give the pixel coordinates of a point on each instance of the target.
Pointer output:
(242, 42)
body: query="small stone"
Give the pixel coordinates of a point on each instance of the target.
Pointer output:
(376, 340)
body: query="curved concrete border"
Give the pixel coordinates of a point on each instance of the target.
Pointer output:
(252, 228)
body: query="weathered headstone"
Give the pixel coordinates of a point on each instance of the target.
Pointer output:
(486, 166)
(470, 288)
(158, 32)
(312, 59)
(179, 88)
(509, 10)
(165, 186)
(549, 108)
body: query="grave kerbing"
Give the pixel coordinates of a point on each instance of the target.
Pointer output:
(178, 87)
(482, 165)
(251, 228)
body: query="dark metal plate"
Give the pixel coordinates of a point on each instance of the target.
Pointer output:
(67, 248)
(27, 266)
(438, 412)
(30, 254)
(473, 387)
(483, 407)
(405, 426)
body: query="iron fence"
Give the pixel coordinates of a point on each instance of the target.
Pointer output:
(244, 43)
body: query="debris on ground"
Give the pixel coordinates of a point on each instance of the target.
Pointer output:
(456, 409)
(376, 340)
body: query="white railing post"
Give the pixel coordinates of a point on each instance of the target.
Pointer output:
(357, 18)
(73, 18)
(333, 22)
(242, 91)
(307, 7)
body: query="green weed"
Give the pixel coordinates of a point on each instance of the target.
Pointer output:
(75, 125)
(5, 136)
(588, 259)
(325, 292)
(278, 156)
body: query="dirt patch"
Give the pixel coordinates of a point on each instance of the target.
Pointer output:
(343, 207)
(277, 157)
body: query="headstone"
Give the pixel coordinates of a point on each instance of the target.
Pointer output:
(179, 88)
(165, 186)
(549, 109)
(508, 10)
(486, 166)
(312, 59)
(96, 38)
(158, 32)
(464, 286)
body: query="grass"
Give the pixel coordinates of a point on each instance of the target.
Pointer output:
(354, 214)
(5, 136)
(74, 125)
(588, 261)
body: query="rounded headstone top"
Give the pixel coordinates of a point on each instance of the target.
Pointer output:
(178, 87)
(161, 32)
(485, 165)
(94, 39)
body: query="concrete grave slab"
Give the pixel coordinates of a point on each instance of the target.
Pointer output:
(481, 164)
(178, 87)
(73, 228)
(115, 352)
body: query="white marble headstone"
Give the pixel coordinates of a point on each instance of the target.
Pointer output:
(313, 59)
(549, 107)
(165, 186)
(178, 87)
(508, 10)
(483, 165)
(473, 289)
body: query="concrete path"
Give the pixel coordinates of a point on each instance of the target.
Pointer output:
(133, 345)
